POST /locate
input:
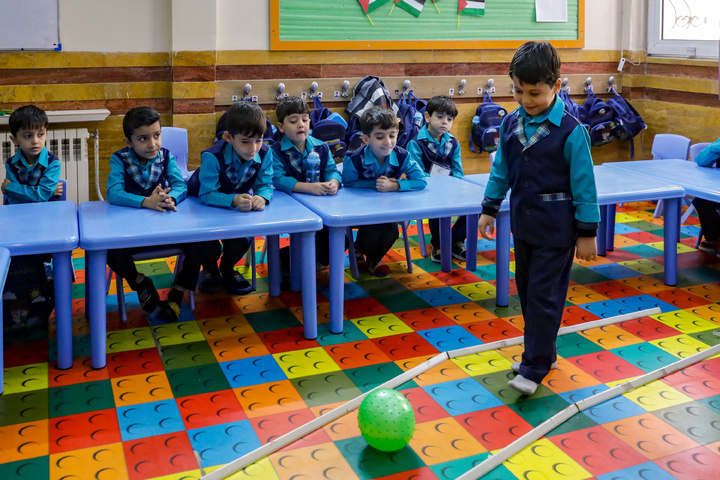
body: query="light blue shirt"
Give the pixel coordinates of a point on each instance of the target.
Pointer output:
(456, 169)
(16, 192)
(284, 181)
(709, 155)
(415, 176)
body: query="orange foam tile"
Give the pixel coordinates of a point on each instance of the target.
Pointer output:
(444, 372)
(610, 336)
(356, 354)
(579, 294)
(708, 291)
(269, 398)
(144, 388)
(317, 461)
(235, 348)
(443, 440)
(260, 302)
(646, 284)
(103, 462)
(650, 436)
(466, 312)
(24, 440)
(81, 371)
(323, 312)
(567, 377)
(419, 281)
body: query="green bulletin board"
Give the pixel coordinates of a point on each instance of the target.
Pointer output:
(343, 25)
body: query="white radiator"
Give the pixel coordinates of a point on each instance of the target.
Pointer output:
(70, 146)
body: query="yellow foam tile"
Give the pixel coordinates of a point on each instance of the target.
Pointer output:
(482, 363)
(131, 339)
(623, 241)
(476, 291)
(189, 475)
(680, 346)
(260, 470)
(443, 440)
(579, 294)
(317, 461)
(302, 363)
(680, 247)
(381, 325)
(621, 217)
(107, 461)
(445, 372)
(610, 336)
(544, 460)
(419, 281)
(684, 321)
(25, 378)
(512, 353)
(644, 266)
(656, 395)
(227, 326)
(177, 333)
(143, 388)
(707, 312)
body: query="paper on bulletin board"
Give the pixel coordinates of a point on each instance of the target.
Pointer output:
(551, 11)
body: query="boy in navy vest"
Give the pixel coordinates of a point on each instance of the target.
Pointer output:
(236, 172)
(707, 210)
(145, 175)
(379, 165)
(438, 152)
(33, 173)
(544, 158)
(289, 163)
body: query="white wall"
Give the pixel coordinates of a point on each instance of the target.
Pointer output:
(244, 24)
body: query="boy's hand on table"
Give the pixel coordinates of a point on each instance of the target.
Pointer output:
(315, 188)
(385, 184)
(168, 203)
(5, 184)
(331, 187)
(242, 202)
(258, 203)
(586, 248)
(158, 200)
(59, 189)
(487, 225)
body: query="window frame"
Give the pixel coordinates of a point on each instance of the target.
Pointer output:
(709, 49)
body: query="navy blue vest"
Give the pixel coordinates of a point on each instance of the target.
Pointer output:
(357, 159)
(536, 216)
(14, 169)
(429, 157)
(322, 150)
(226, 186)
(131, 186)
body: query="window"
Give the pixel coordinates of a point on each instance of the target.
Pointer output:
(684, 28)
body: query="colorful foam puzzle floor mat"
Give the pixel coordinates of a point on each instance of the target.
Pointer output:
(236, 373)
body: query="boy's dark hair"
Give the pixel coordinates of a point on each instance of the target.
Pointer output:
(246, 118)
(28, 117)
(139, 117)
(442, 104)
(536, 62)
(381, 117)
(289, 106)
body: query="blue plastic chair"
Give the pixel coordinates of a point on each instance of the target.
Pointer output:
(4, 265)
(175, 139)
(669, 145)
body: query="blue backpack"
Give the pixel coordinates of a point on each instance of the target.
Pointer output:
(318, 112)
(571, 106)
(411, 119)
(600, 120)
(485, 133)
(629, 122)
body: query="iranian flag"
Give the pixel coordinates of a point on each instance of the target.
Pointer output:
(471, 7)
(370, 5)
(414, 7)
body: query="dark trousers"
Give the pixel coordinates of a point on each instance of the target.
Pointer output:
(542, 275)
(232, 249)
(709, 218)
(459, 231)
(121, 262)
(375, 240)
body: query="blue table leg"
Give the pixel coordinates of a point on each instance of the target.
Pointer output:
(472, 240)
(602, 232)
(337, 284)
(295, 261)
(445, 244)
(611, 209)
(273, 253)
(309, 292)
(670, 229)
(62, 272)
(96, 310)
(502, 260)
(4, 265)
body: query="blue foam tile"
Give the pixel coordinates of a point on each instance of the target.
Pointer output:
(439, 297)
(252, 371)
(690, 230)
(643, 302)
(219, 444)
(644, 251)
(449, 338)
(485, 245)
(621, 228)
(614, 271)
(149, 419)
(352, 290)
(645, 356)
(454, 468)
(611, 410)
(606, 308)
(459, 397)
(647, 470)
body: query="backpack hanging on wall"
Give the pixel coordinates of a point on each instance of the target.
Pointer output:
(629, 122)
(600, 120)
(411, 119)
(368, 92)
(485, 131)
(318, 112)
(571, 106)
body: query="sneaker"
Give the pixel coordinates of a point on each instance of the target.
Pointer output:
(169, 311)
(236, 284)
(147, 295)
(208, 282)
(516, 366)
(380, 271)
(712, 248)
(459, 251)
(435, 255)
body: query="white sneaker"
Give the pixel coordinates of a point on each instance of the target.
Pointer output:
(516, 366)
(523, 385)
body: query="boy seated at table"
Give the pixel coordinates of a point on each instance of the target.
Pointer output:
(707, 210)
(438, 152)
(236, 172)
(290, 164)
(145, 175)
(380, 165)
(33, 173)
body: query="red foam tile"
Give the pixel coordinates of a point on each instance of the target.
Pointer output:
(213, 408)
(680, 298)
(356, 354)
(406, 345)
(614, 289)
(620, 255)
(512, 290)
(648, 329)
(694, 382)
(134, 362)
(712, 367)
(270, 427)
(81, 371)
(643, 237)
(18, 354)
(423, 473)
(84, 430)
(159, 455)
(426, 409)
(495, 427)
(696, 258)
(606, 367)
(574, 315)
(364, 307)
(277, 341)
(492, 330)
(425, 319)
(457, 276)
(136, 318)
(223, 306)
(693, 464)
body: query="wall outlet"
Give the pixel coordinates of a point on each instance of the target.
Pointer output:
(621, 64)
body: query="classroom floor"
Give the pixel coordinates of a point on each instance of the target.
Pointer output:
(237, 373)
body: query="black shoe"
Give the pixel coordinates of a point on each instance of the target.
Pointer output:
(459, 251)
(435, 255)
(169, 312)
(147, 295)
(208, 282)
(236, 284)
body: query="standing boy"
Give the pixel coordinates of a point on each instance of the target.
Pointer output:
(145, 175)
(380, 165)
(290, 158)
(236, 172)
(544, 157)
(438, 152)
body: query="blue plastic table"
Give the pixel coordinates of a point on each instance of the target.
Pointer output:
(614, 186)
(443, 198)
(51, 227)
(104, 226)
(4, 265)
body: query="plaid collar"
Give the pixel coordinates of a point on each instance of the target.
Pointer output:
(27, 175)
(371, 165)
(443, 147)
(551, 115)
(136, 170)
(239, 171)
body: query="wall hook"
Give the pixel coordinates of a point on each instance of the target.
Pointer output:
(313, 89)
(490, 87)
(246, 91)
(345, 88)
(564, 84)
(463, 85)
(588, 85)
(280, 90)
(611, 84)
(406, 86)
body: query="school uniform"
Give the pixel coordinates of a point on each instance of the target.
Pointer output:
(32, 184)
(707, 210)
(546, 162)
(129, 183)
(289, 169)
(443, 154)
(361, 170)
(223, 175)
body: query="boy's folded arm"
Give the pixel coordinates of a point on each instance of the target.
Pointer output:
(115, 192)
(178, 187)
(210, 183)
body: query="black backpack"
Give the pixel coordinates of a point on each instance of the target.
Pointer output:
(485, 131)
(600, 122)
(629, 122)
(28, 299)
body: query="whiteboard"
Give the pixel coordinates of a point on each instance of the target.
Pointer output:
(29, 25)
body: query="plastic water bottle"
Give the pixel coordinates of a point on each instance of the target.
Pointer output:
(312, 167)
(476, 120)
(418, 119)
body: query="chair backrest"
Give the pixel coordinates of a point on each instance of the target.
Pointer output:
(668, 145)
(57, 198)
(176, 140)
(697, 148)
